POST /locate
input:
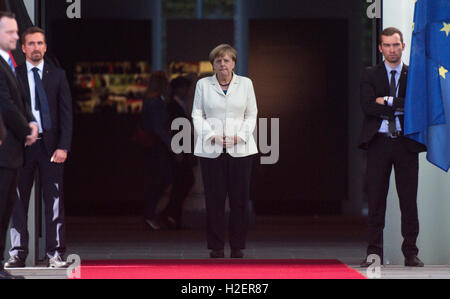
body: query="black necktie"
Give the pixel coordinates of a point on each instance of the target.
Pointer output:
(41, 101)
(392, 93)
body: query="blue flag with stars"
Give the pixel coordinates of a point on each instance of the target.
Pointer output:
(427, 102)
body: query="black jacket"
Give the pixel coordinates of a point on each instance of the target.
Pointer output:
(16, 117)
(2, 129)
(374, 84)
(60, 105)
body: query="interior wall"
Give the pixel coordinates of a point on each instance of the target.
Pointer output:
(325, 10)
(105, 172)
(193, 40)
(302, 80)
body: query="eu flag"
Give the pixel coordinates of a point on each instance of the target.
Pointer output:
(427, 103)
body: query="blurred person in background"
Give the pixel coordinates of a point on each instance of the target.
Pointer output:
(155, 121)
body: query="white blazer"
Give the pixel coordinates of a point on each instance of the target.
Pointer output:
(233, 114)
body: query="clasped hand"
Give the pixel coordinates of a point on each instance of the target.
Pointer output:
(30, 139)
(226, 141)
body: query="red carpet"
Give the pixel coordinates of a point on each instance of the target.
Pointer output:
(217, 269)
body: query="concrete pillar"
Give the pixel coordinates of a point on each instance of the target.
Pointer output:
(157, 26)
(241, 36)
(199, 9)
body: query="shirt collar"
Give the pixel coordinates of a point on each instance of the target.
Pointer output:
(234, 79)
(40, 66)
(5, 55)
(398, 68)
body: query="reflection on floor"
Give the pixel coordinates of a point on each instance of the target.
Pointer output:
(269, 238)
(341, 238)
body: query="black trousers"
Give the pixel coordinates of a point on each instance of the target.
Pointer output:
(224, 176)
(51, 179)
(8, 186)
(383, 153)
(182, 182)
(160, 176)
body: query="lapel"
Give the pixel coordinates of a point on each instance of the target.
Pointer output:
(9, 72)
(46, 73)
(382, 74)
(215, 83)
(181, 109)
(23, 76)
(17, 90)
(233, 84)
(402, 81)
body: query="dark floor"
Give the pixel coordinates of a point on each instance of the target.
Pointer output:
(269, 238)
(331, 237)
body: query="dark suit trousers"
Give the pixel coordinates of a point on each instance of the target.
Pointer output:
(383, 153)
(183, 180)
(51, 177)
(8, 186)
(224, 176)
(160, 177)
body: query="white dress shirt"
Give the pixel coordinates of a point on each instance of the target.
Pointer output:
(232, 114)
(32, 86)
(384, 127)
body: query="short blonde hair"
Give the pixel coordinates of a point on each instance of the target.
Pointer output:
(221, 50)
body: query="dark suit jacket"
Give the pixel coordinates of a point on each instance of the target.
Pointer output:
(2, 129)
(59, 102)
(155, 119)
(16, 117)
(374, 84)
(176, 111)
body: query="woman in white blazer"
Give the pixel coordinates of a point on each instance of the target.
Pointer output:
(224, 116)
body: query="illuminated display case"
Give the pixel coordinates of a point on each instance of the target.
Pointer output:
(110, 86)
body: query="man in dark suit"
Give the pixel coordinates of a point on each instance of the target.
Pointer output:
(383, 89)
(51, 104)
(182, 163)
(155, 121)
(21, 129)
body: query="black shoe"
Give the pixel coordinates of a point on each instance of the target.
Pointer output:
(413, 261)
(217, 254)
(15, 262)
(152, 224)
(58, 263)
(366, 264)
(6, 275)
(236, 254)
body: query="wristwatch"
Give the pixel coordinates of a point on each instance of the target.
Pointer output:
(385, 101)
